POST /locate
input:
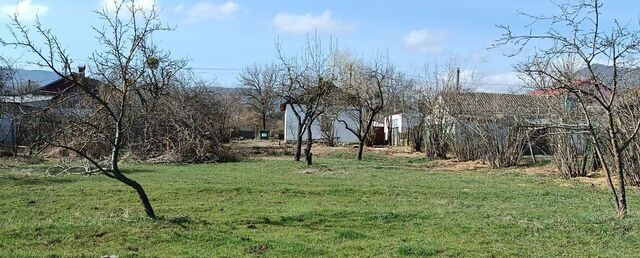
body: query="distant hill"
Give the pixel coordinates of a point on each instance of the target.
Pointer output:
(41, 78)
(602, 71)
(38, 77)
(629, 77)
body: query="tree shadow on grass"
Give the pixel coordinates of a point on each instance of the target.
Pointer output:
(313, 218)
(35, 180)
(183, 221)
(128, 171)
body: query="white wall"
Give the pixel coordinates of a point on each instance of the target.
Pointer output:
(291, 127)
(402, 121)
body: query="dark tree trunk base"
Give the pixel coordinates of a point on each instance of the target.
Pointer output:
(309, 159)
(360, 150)
(298, 154)
(621, 209)
(144, 199)
(307, 150)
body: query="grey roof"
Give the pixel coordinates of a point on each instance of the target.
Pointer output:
(479, 104)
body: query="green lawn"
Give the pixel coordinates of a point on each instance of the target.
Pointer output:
(379, 207)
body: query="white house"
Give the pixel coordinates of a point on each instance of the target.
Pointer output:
(341, 133)
(397, 125)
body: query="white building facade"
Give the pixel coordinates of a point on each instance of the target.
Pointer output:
(341, 134)
(397, 125)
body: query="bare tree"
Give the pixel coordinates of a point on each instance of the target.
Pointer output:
(419, 113)
(424, 104)
(363, 87)
(568, 137)
(92, 114)
(259, 83)
(306, 84)
(577, 30)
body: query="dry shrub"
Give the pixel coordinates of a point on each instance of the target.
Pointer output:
(628, 110)
(500, 143)
(504, 143)
(190, 124)
(465, 144)
(631, 160)
(185, 124)
(571, 151)
(493, 127)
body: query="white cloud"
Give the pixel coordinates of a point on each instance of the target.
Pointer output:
(142, 4)
(504, 78)
(425, 41)
(502, 82)
(26, 10)
(304, 23)
(204, 11)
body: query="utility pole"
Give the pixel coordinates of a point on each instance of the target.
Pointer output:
(458, 79)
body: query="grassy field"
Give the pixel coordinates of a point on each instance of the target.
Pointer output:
(382, 206)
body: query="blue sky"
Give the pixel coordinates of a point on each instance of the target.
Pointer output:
(223, 36)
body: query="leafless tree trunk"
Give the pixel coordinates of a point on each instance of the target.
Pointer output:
(362, 90)
(576, 32)
(260, 83)
(306, 84)
(99, 111)
(425, 106)
(302, 123)
(307, 151)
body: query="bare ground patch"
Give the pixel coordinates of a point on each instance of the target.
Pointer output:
(453, 165)
(546, 170)
(393, 151)
(597, 179)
